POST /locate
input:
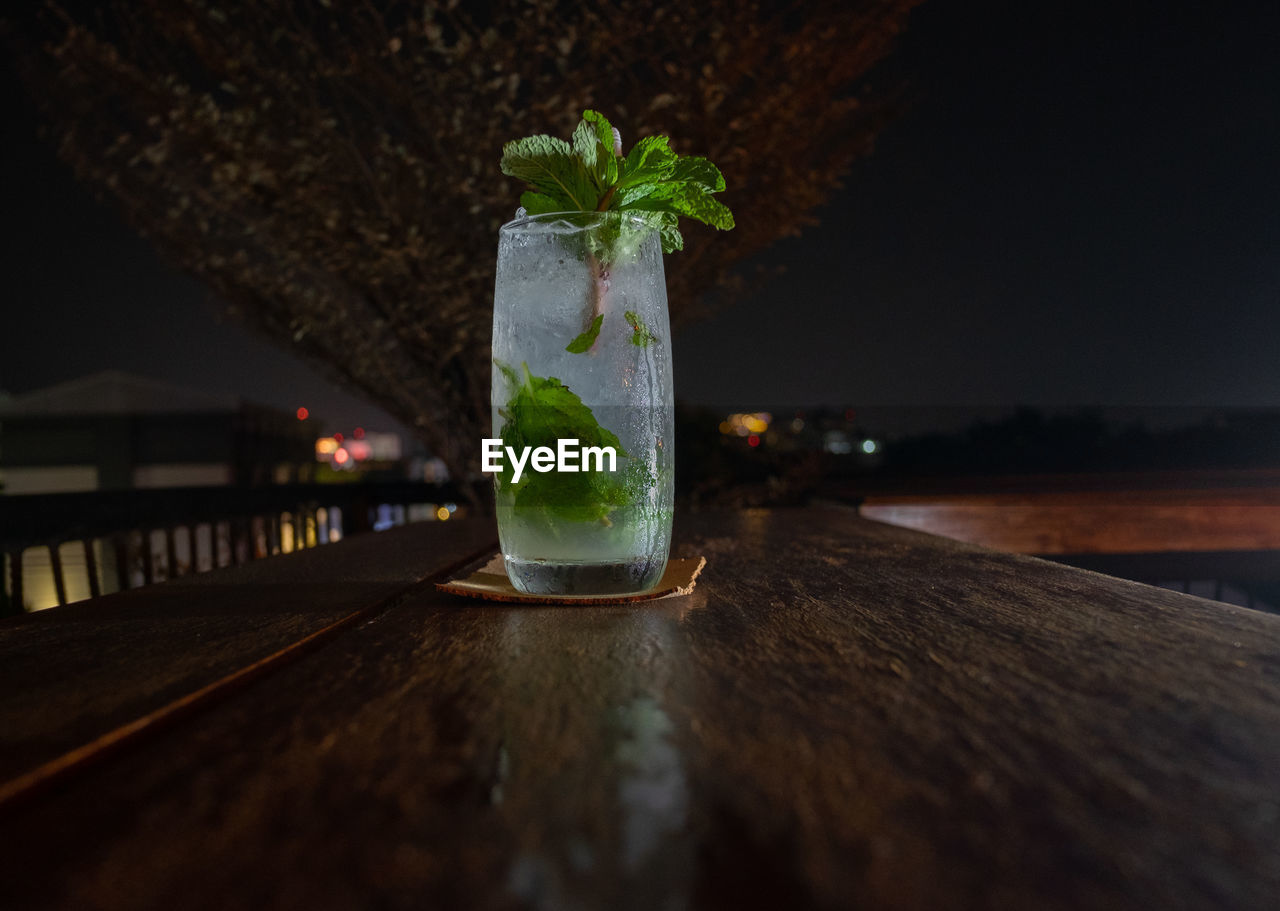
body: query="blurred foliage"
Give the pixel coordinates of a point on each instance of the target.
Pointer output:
(329, 169)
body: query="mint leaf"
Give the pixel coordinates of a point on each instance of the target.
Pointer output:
(593, 142)
(649, 161)
(536, 203)
(640, 334)
(550, 166)
(541, 411)
(672, 239)
(686, 199)
(575, 497)
(587, 176)
(584, 496)
(582, 344)
(695, 169)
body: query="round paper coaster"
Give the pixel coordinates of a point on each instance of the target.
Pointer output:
(490, 583)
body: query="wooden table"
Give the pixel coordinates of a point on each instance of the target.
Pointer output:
(844, 714)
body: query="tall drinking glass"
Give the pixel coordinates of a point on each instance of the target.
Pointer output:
(581, 366)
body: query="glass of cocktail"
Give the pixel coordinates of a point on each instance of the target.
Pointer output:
(582, 398)
(582, 373)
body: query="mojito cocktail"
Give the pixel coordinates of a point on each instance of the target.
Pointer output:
(582, 398)
(582, 367)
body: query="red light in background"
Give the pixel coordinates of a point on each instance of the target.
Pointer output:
(302, 414)
(341, 456)
(753, 440)
(358, 433)
(338, 437)
(848, 414)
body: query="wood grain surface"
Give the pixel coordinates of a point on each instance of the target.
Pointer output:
(73, 674)
(843, 714)
(1077, 522)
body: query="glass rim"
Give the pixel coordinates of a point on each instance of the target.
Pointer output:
(594, 218)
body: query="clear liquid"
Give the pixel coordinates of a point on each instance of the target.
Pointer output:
(548, 555)
(543, 298)
(536, 577)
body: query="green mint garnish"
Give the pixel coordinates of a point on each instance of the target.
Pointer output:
(640, 334)
(582, 344)
(555, 172)
(541, 411)
(590, 496)
(590, 175)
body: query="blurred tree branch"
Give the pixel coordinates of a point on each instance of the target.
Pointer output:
(329, 169)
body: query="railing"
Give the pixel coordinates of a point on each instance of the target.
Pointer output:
(127, 538)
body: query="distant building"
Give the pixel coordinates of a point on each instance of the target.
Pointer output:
(114, 430)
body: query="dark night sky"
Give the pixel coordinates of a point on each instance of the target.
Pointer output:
(1082, 207)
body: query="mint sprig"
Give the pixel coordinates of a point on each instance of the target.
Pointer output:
(657, 188)
(541, 411)
(589, 175)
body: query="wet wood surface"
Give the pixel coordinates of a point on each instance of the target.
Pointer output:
(70, 675)
(1078, 522)
(842, 714)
